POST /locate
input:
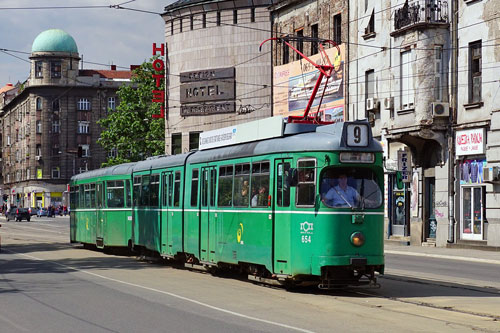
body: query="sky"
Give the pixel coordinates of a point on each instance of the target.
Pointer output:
(103, 35)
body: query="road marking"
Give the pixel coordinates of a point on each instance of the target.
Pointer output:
(237, 314)
(443, 256)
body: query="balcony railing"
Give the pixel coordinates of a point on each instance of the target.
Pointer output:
(426, 11)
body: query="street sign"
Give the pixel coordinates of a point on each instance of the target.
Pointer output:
(404, 165)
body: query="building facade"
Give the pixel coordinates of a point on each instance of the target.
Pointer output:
(216, 76)
(49, 128)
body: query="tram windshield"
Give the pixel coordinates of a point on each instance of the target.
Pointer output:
(350, 188)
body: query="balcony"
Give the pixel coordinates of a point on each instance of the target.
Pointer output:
(420, 15)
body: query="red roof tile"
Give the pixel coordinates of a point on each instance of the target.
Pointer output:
(6, 88)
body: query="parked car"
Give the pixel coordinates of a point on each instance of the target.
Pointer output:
(33, 211)
(18, 214)
(42, 212)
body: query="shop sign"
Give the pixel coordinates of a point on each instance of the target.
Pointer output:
(208, 74)
(404, 165)
(207, 108)
(470, 142)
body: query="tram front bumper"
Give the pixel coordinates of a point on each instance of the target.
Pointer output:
(346, 260)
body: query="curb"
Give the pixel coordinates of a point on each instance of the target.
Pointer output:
(442, 256)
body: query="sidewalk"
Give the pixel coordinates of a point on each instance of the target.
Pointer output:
(488, 257)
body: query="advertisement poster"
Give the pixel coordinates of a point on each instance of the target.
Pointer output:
(295, 81)
(414, 195)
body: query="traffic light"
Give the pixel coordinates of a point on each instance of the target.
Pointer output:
(80, 151)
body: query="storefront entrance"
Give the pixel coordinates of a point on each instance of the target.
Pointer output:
(472, 212)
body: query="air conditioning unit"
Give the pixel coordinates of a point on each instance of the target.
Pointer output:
(38, 158)
(491, 174)
(440, 109)
(371, 104)
(389, 103)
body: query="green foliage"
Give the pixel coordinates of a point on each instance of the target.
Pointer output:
(131, 129)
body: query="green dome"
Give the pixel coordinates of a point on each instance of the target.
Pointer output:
(54, 40)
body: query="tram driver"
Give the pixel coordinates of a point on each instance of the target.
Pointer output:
(342, 195)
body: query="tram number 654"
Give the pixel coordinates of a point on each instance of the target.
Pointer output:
(306, 239)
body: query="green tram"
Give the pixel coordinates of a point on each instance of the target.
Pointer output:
(303, 207)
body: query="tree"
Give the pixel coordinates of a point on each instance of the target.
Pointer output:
(131, 129)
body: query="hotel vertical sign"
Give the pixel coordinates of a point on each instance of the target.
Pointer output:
(210, 91)
(159, 77)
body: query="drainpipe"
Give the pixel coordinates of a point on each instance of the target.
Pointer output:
(453, 117)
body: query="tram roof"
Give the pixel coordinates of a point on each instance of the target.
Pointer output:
(321, 138)
(121, 169)
(157, 162)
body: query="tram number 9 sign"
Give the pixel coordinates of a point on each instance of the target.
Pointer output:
(357, 135)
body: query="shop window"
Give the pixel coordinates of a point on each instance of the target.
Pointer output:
(306, 188)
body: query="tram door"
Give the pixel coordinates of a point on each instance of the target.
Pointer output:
(166, 215)
(282, 217)
(208, 213)
(100, 215)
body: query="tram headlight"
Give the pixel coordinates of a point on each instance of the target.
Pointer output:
(357, 238)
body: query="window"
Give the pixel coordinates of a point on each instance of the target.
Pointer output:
(8, 140)
(286, 54)
(241, 185)
(300, 42)
(89, 196)
(235, 16)
(172, 27)
(252, 14)
(111, 103)
(204, 20)
(56, 126)
(369, 85)
(475, 72)
(225, 186)
(260, 184)
(137, 190)
(83, 104)
(18, 175)
(55, 172)
(55, 105)
(113, 153)
(38, 150)
(85, 150)
(180, 24)
(28, 174)
(154, 194)
(83, 127)
(38, 126)
(194, 188)
(176, 143)
(218, 18)
(194, 140)
(407, 93)
(56, 150)
(306, 188)
(55, 69)
(115, 194)
(38, 69)
(337, 28)
(282, 188)
(370, 29)
(145, 191)
(39, 104)
(39, 173)
(350, 188)
(315, 41)
(438, 75)
(177, 189)
(128, 193)
(82, 169)
(191, 22)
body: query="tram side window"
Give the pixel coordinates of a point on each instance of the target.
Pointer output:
(306, 188)
(115, 194)
(194, 188)
(81, 196)
(137, 190)
(73, 197)
(282, 188)
(92, 196)
(225, 186)
(213, 182)
(145, 191)
(260, 184)
(128, 193)
(177, 189)
(241, 185)
(170, 189)
(154, 189)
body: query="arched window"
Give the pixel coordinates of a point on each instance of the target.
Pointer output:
(39, 104)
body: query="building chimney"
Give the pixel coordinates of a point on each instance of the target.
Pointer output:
(113, 67)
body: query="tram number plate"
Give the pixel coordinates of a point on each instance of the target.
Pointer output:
(357, 135)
